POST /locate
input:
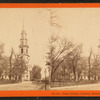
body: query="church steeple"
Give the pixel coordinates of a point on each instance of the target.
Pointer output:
(23, 24)
(23, 47)
(23, 52)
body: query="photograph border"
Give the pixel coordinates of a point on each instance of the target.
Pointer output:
(50, 93)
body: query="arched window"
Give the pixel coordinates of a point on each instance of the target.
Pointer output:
(22, 50)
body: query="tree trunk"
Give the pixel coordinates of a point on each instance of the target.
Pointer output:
(20, 78)
(16, 78)
(9, 77)
(2, 77)
(74, 72)
(89, 75)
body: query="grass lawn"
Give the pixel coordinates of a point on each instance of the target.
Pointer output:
(71, 83)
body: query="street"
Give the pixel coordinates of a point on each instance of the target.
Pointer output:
(33, 86)
(95, 86)
(22, 86)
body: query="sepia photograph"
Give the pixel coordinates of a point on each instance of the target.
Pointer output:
(49, 49)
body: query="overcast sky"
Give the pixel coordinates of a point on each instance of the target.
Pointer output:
(80, 24)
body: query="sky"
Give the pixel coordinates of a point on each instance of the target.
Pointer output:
(81, 25)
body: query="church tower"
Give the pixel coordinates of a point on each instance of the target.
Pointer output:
(23, 53)
(23, 47)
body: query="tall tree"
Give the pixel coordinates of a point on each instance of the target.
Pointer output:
(19, 68)
(11, 63)
(89, 64)
(76, 55)
(36, 72)
(59, 48)
(3, 62)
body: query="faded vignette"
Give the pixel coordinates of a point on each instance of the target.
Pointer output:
(49, 49)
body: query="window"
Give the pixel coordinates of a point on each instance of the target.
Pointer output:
(22, 50)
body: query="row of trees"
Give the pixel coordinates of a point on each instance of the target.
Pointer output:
(65, 58)
(11, 67)
(66, 62)
(14, 66)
